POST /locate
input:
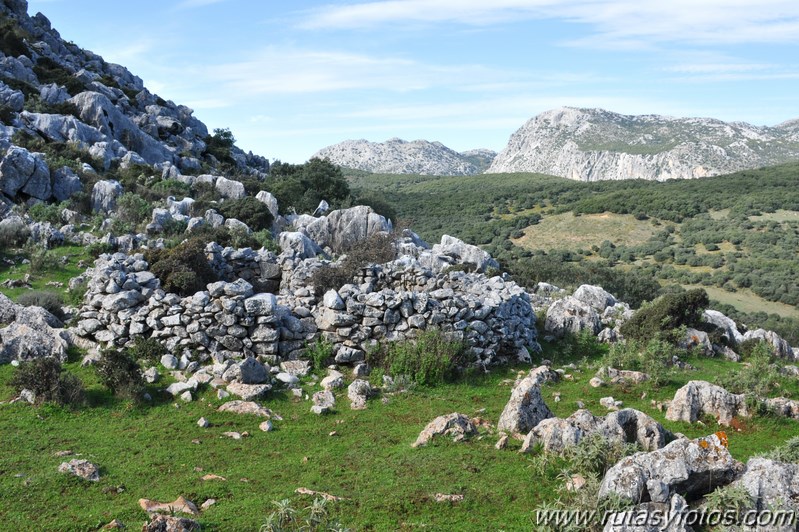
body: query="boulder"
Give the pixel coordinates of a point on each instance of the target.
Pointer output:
(261, 304)
(358, 392)
(298, 244)
(334, 379)
(340, 229)
(455, 251)
(456, 425)
(595, 297)
(727, 325)
(104, 196)
(571, 316)
(323, 402)
(65, 183)
(622, 376)
(246, 407)
(248, 392)
(24, 342)
(270, 201)
(22, 171)
(171, 523)
(525, 409)
(771, 485)
(698, 398)
(781, 347)
(668, 516)
(691, 468)
(81, 468)
(229, 188)
(624, 426)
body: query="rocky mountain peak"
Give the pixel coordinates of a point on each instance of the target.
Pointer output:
(595, 144)
(398, 156)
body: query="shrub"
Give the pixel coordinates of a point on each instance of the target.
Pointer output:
(220, 145)
(756, 379)
(378, 248)
(50, 301)
(653, 358)
(320, 353)
(42, 261)
(248, 210)
(43, 212)
(121, 374)
(13, 235)
(302, 187)
(132, 209)
(666, 314)
(149, 350)
(49, 71)
(183, 269)
(787, 452)
(313, 518)
(48, 381)
(430, 359)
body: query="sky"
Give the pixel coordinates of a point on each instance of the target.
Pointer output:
(291, 77)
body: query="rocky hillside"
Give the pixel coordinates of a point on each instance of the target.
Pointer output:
(397, 156)
(595, 145)
(69, 103)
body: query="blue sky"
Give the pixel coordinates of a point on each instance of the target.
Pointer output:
(291, 77)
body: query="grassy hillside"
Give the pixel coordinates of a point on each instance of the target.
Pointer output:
(736, 233)
(157, 451)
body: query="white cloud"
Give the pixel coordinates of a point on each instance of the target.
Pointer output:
(279, 70)
(613, 23)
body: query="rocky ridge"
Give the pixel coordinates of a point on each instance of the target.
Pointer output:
(397, 156)
(597, 145)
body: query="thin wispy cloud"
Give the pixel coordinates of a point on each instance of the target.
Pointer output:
(280, 70)
(611, 23)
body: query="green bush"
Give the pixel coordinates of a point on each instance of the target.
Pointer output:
(42, 261)
(50, 301)
(320, 353)
(430, 359)
(248, 210)
(220, 145)
(49, 71)
(759, 378)
(183, 269)
(149, 350)
(787, 453)
(132, 209)
(47, 212)
(48, 381)
(302, 187)
(121, 374)
(76, 293)
(662, 317)
(653, 358)
(12, 235)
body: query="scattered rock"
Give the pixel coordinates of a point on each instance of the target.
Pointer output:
(266, 426)
(203, 423)
(456, 425)
(81, 468)
(690, 467)
(358, 392)
(323, 402)
(246, 407)
(698, 398)
(169, 523)
(442, 497)
(526, 408)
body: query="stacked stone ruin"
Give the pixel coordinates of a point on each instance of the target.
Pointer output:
(265, 307)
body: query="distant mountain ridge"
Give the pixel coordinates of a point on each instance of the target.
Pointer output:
(595, 145)
(397, 156)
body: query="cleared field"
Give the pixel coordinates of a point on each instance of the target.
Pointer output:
(777, 216)
(746, 301)
(567, 231)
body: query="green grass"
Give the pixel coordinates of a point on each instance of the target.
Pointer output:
(747, 301)
(62, 274)
(387, 484)
(567, 231)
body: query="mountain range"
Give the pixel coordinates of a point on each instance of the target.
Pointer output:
(397, 156)
(593, 145)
